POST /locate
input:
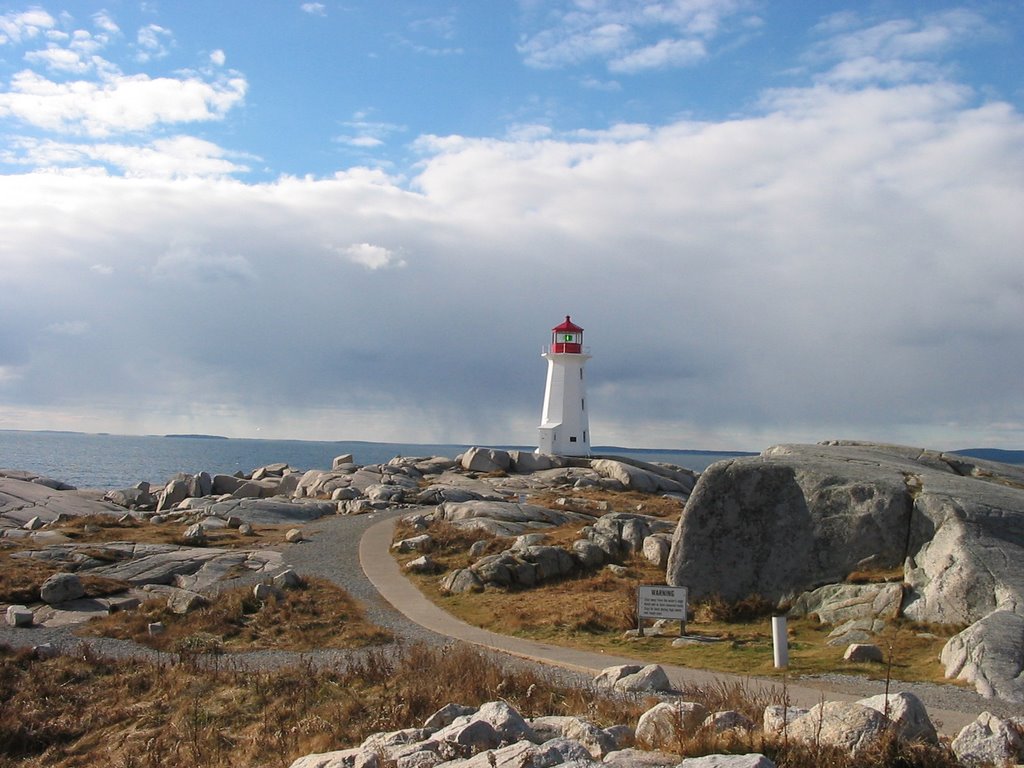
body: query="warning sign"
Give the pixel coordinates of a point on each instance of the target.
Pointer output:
(661, 602)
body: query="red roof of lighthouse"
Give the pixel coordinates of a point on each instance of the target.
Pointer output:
(568, 325)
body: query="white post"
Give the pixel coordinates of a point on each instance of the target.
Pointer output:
(780, 641)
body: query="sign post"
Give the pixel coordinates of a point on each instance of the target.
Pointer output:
(661, 602)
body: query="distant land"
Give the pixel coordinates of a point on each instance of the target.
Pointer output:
(201, 437)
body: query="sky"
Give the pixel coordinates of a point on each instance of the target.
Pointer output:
(360, 219)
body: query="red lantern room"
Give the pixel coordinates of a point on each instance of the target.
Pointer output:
(567, 338)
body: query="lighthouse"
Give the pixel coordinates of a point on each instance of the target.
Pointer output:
(564, 428)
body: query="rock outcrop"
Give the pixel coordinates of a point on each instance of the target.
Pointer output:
(801, 516)
(495, 735)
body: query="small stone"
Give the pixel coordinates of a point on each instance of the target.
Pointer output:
(245, 529)
(60, 588)
(478, 548)
(422, 564)
(34, 524)
(287, 579)
(19, 616)
(123, 604)
(156, 628)
(194, 534)
(264, 592)
(45, 651)
(857, 652)
(293, 536)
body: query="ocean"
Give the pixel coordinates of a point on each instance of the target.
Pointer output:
(120, 461)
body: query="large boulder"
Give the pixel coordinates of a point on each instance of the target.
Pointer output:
(791, 519)
(990, 654)
(989, 741)
(644, 478)
(801, 516)
(60, 588)
(634, 678)
(908, 715)
(846, 725)
(667, 724)
(486, 460)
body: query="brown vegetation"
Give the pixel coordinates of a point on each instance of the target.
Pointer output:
(316, 614)
(83, 710)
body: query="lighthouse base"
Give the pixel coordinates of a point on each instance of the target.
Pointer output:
(556, 441)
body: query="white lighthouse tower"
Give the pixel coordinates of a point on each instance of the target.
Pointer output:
(564, 427)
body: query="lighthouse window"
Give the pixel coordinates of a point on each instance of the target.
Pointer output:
(572, 439)
(583, 404)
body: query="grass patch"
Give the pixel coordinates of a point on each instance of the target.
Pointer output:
(316, 614)
(22, 578)
(76, 711)
(598, 501)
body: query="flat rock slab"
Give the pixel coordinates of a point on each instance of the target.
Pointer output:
(139, 564)
(273, 511)
(77, 611)
(21, 500)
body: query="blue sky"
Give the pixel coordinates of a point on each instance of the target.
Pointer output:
(777, 221)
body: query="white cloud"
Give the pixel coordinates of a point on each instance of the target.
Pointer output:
(894, 50)
(17, 27)
(366, 142)
(106, 23)
(59, 59)
(662, 55)
(843, 264)
(119, 104)
(218, 57)
(314, 9)
(372, 257)
(153, 42)
(365, 133)
(630, 35)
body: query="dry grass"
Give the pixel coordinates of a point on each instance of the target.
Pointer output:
(317, 614)
(88, 711)
(22, 578)
(613, 501)
(103, 528)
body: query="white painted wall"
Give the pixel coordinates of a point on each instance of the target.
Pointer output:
(564, 425)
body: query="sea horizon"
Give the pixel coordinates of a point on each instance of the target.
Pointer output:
(107, 460)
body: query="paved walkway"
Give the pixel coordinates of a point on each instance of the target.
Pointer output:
(384, 573)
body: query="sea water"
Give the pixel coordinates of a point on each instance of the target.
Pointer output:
(120, 461)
